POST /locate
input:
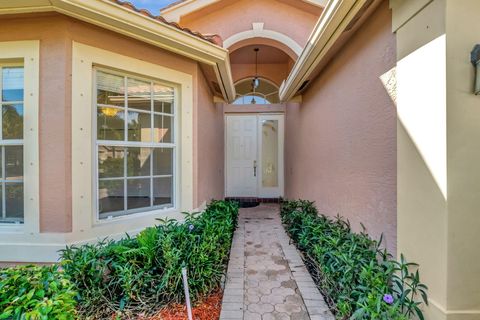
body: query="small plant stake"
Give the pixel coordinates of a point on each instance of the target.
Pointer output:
(187, 293)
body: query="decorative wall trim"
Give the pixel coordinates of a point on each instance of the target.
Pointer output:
(259, 32)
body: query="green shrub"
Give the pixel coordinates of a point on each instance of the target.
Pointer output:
(141, 274)
(358, 279)
(31, 292)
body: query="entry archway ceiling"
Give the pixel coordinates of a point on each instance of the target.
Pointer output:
(266, 55)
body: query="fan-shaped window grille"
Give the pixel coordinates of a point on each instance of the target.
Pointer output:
(265, 93)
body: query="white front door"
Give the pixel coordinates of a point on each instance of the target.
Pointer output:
(241, 156)
(254, 156)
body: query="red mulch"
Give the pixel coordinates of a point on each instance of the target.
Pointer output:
(208, 309)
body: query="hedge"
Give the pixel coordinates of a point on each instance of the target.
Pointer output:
(33, 292)
(358, 279)
(126, 277)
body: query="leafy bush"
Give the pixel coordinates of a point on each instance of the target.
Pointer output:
(144, 273)
(358, 279)
(32, 292)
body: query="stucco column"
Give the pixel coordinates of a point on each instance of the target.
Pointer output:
(438, 154)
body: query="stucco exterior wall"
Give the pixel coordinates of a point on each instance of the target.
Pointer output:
(56, 34)
(232, 17)
(209, 146)
(341, 141)
(421, 106)
(54, 114)
(463, 158)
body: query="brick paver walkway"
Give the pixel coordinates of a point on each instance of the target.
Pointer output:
(266, 277)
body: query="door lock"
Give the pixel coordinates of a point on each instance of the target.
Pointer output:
(254, 168)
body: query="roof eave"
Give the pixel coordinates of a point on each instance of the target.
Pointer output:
(337, 18)
(111, 16)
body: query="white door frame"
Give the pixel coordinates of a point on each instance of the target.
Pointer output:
(261, 192)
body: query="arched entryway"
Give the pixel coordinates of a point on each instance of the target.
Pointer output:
(254, 123)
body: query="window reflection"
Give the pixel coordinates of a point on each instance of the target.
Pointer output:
(11, 153)
(135, 126)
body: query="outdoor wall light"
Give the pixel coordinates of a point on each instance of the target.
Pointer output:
(475, 58)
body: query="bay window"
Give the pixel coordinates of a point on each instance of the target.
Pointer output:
(135, 144)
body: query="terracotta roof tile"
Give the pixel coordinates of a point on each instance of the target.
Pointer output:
(213, 38)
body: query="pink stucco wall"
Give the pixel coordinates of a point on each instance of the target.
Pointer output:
(54, 109)
(227, 18)
(56, 33)
(341, 142)
(209, 146)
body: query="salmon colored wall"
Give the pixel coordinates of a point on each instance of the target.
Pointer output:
(56, 33)
(54, 109)
(237, 16)
(341, 142)
(227, 18)
(209, 145)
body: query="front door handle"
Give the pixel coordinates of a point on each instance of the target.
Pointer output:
(254, 168)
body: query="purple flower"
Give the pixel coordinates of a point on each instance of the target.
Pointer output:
(191, 227)
(388, 298)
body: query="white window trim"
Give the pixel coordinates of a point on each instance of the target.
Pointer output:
(84, 213)
(28, 52)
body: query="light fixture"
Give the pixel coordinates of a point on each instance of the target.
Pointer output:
(475, 58)
(109, 112)
(255, 81)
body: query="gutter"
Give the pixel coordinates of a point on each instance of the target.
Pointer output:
(110, 16)
(338, 18)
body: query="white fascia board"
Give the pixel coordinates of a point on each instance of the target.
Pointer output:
(336, 17)
(111, 16)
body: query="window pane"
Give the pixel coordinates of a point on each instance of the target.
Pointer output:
(162, 191)
(138, 193)
(162, 99)
(139, 95)
(139, 126)
(111, 197)
(269, 153)
(162, 161)
(163, 129)
(12, 84)
(14, 200)
(110, 124)
(14, 162)
(110, 89)
(12, 122)
(138, 162)
(110, 161)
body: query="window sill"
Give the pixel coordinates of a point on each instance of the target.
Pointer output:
(156, 214)
(12, 228)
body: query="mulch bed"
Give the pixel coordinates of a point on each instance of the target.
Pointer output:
(208, 309)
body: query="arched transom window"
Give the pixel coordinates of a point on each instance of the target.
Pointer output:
(265, 92)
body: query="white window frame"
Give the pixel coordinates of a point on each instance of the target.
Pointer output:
(26, 54)
(127, 144)
(84, 208)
